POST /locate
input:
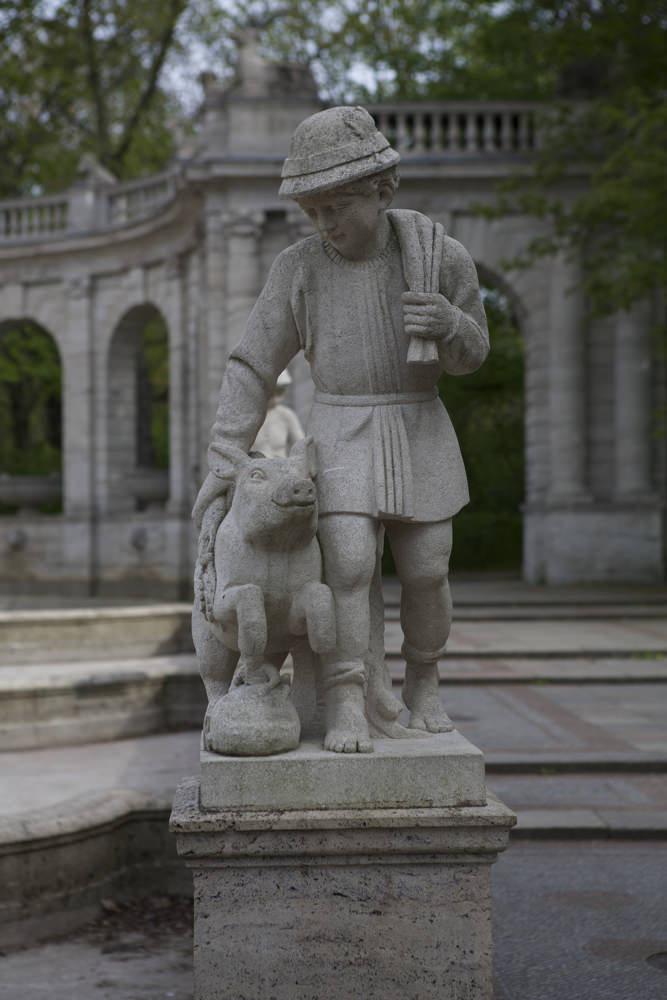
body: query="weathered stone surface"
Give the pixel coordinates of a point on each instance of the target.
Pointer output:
(380, 903)
(435, 771)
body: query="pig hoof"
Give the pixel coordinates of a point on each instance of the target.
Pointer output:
(344, 741)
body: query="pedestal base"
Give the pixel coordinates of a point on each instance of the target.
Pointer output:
(384, 904)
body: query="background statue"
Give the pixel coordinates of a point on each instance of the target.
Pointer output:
(281, 428)
(381, 302)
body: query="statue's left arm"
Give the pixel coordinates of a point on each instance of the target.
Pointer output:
(453, 317)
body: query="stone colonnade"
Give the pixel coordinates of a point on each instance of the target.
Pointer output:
(596, 474)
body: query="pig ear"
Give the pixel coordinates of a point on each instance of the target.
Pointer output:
(226, 461)
(304, 452)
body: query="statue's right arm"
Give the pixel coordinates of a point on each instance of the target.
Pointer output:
(270, 341)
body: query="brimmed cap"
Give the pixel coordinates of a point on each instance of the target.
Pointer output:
(334, 147)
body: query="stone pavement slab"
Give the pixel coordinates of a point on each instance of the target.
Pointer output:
(580, 921)
(617, 720)
(602, 804)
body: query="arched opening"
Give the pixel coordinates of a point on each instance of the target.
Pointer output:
(487, 410)
(138, 430)
(31, 419)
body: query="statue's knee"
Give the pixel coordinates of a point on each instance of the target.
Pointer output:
(429, 580)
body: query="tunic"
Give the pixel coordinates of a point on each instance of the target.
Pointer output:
(384, 441)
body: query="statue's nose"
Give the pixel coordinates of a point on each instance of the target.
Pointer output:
(300, 492)
(303, 491)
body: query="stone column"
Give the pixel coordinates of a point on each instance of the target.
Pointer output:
(567, 384)
(78, 422)
(243, 234)
(174, 308)
(80, 526)
(213, 354)
(632, 404)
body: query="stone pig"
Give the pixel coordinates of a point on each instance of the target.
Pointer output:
(268, 591)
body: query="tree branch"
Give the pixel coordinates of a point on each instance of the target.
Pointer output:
(95, 82)
(176, 8)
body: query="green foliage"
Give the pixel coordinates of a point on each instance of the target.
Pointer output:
(153, 393)
(30, 401)
(601, 174)
(487, 410)
(82, 76)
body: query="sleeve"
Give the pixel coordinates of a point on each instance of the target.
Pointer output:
(466, 345)
(270, 341)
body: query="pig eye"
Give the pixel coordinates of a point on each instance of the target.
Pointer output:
(257, 475)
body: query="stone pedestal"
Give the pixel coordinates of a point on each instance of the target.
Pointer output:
(378, 900)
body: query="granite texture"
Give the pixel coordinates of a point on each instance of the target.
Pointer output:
(435, 771)
(381, 303)
(379, 903)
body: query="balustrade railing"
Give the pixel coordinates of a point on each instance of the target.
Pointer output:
(456, 129)
(28, 218)
(491, 130)
(137, 200)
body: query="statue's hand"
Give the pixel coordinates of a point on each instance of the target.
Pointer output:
(212, 488)
(428, 315)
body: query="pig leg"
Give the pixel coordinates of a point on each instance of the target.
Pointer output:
(217, 663)
(259, 670)
(244, 606)
(313, 612)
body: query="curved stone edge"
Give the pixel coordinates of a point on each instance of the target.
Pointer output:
(58, 863)
(68, 705)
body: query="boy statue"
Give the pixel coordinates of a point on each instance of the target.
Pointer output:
(381, 303)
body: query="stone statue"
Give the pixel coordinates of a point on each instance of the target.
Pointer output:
(381, 302)
(264, 595)
(281, 428)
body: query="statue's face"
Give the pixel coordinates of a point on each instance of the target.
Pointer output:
(349, 221)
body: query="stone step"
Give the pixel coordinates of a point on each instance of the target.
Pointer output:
(154, 630)
(60, 704)
(97, 633)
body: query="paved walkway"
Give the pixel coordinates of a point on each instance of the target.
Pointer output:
(566, 693)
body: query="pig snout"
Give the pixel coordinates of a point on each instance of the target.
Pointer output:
(294, 493)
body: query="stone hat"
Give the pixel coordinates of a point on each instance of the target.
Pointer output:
(334, 147)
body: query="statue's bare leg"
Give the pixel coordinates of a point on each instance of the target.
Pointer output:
(348, 548)
(421, 553)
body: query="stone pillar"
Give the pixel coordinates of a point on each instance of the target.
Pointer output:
(175, 315)
(632, 404)
(567, 387)
(243, 234)
(80, 541)
(213, 354)
(78, 423)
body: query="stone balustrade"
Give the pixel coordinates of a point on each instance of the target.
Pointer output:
(492, 130)
(85, 209)
(136, 200)
(31, 218)
(460, 128)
